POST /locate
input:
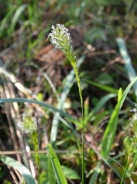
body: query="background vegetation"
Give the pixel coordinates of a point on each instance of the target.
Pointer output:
(31, 68)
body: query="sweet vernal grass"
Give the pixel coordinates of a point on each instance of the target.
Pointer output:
(60, 37)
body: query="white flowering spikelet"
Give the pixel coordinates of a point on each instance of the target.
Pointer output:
(60, 37)
(29, 124)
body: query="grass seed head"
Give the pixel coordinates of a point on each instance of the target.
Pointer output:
(60, 37)
(29, 123)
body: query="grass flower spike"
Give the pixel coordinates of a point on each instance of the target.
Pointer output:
(60, 37)
(29, 124)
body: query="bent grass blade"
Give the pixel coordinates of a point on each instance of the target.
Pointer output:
(18, 166)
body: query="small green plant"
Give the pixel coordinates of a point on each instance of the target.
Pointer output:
(29, 126)
(60, 37)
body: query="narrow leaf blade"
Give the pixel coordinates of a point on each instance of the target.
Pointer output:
(56, 165)
(113, 122)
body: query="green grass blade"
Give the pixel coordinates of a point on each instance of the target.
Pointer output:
(103, 87)
(5, 20)
(51, 175)
(56, 165)
(106, 162)
(99, 105)
(50, 107)
(127, 61)
(18, 166)
(17, 15)
(113, 122)
(95, 174)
